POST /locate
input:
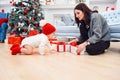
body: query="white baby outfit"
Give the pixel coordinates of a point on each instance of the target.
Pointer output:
(40, 40)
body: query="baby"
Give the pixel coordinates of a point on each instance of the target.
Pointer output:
(39, 43)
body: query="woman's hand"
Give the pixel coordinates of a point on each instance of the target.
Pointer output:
(81, 47)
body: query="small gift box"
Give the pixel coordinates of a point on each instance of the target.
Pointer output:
(58, 46)
(73, 48)
(61, 46)
(15, 39)
(54, 45)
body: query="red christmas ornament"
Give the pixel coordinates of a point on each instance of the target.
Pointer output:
(22, 5)
(28, 22)
(26, 11)
(33, 19)
(10, 2)
(12, 14)
(11, 24)
(37, 25)
(36, 12)
(16, 25)
(11, 33)
(25, 29)
(14, 4)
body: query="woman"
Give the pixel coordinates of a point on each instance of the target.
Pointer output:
(94, 30)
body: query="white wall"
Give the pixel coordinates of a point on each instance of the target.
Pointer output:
(102, 7)
(5, 4)
(5, 7)
(52, 12)
(118, 5)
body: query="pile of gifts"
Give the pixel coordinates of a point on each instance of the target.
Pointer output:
(59, 46)
(65, 47)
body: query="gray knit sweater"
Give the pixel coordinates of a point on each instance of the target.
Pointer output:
(99, 29)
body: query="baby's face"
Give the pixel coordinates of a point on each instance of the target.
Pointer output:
(50, 36)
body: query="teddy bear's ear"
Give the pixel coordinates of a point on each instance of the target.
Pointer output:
(42, 22)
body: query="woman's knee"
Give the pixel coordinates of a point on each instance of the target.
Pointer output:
(93, 51)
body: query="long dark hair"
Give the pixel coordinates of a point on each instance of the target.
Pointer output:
(86, 10)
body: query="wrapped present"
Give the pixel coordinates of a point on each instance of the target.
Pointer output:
(59, 46)
(67, 47)
(15, 39)
(54, 45)
(74, 47)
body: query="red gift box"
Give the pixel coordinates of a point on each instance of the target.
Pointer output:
(73, 48)
(15, 39)
(54, 45)
(59, 46)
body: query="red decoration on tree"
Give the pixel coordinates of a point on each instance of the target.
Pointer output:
(33, 19)
(14, 4)
(28, 22)
(26, 11)
(10, 24)
(10, 2)
(25, 30)
(11, 33)
(12, 14)
(16, 26)
(37, 25)
(22, 5)
(36, 12)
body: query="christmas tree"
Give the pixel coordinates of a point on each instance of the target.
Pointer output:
(24, 16)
